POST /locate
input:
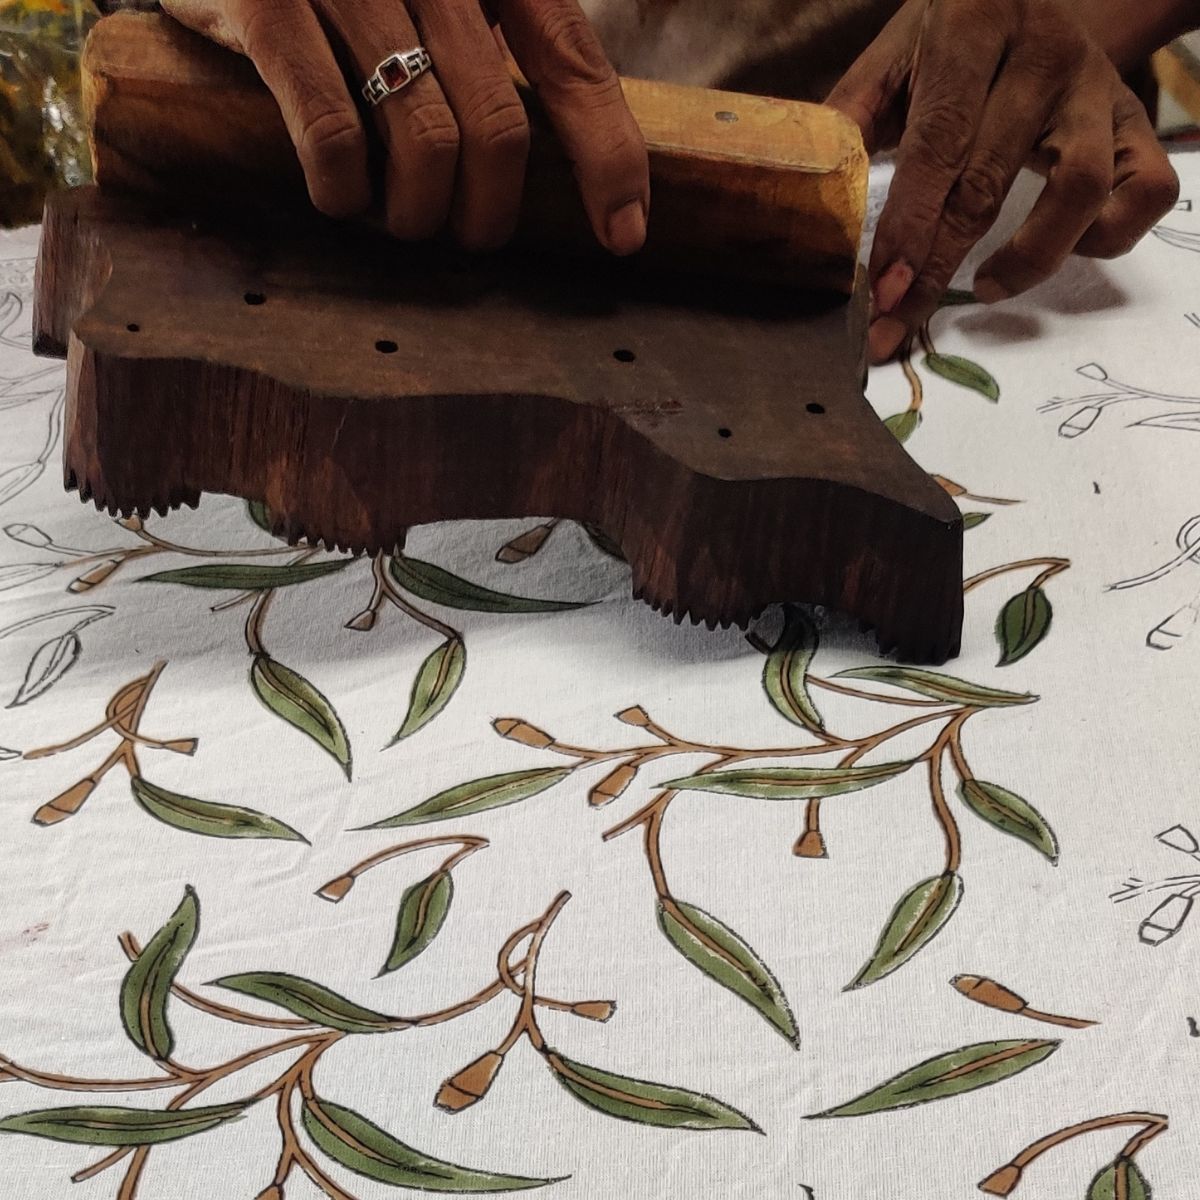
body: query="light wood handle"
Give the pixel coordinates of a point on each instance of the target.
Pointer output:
(742, 186)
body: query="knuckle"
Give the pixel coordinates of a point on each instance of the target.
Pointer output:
(942, 136)
(330, 134)
(494, 121)
(258, 22)
(572, 44)
(1086, 184)
(976, 199)
(434, 132)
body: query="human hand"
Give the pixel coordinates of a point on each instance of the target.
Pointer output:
(457, 137)
(972, 91)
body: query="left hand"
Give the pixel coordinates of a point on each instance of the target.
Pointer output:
(972, 91)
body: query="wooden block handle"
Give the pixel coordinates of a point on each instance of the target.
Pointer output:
(743, 186)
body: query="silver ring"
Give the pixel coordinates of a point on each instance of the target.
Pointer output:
(395, 73)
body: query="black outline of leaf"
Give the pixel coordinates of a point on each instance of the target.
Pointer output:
(319, 723)
(165, 1119)
(419, 938)
(247, 577)
(964, 373)
(63, 653)
(785, 673)
(1023, 624)
(448, 663)
(439, 586)
(247, 823)
(538, 779)
(310, 1001)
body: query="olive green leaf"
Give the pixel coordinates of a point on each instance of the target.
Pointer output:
(971, 519)
(361, 1146)
(944, 688)
(436, 683)
(290, 696)
(146, 987)
(951, 1074)
(904, 424)
(646, 1103)
(423, 909)
(1022, 624)
(260, 514)
(310, 1001)
(1120, 1180)
(789, 783)
(785, 674)
(921, 913)
(248, 577)
(208, 818)
(103, 1125)
(1009, 813)
(479, 795)
(722, 955)
(441, 587)
(965, 373)
(603, 542)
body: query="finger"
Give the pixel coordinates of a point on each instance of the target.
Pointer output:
(308, 86)
(1010, 126)
(419, 133)
(872, 91)
(1078, 183)
(1145, 186)
(565, 63)
(493, 127)
(950, 91)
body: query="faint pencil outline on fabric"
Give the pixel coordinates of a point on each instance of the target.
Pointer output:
(1170, 915)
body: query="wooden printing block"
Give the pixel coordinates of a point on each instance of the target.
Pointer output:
(708, 418)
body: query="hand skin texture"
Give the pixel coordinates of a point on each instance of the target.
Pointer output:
(457, 138)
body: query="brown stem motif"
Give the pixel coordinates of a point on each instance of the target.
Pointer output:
(320, 1020)
(995, 995)
(122, 716)
(1119, 1175)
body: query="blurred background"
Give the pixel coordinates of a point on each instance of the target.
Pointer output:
(42, 143)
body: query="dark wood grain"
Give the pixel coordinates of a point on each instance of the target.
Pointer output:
(719, 435)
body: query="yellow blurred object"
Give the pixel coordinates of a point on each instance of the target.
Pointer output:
(43, 143)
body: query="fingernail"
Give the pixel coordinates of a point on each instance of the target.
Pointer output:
(884, 339)
(892, 286)
(988, 291)
(627, 228)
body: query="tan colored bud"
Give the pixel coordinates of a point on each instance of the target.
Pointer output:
(97, 575)
(636, 716)
(523, 732)
(182, 745)
(949, 486)
(364, 622)
(524, 545)
(1001, 1182)
(336, 889)
(612, 785)
(274, 1192)
(133, 523)
(810, 844)
(594, 1010)
(989, 993)
(66, 804)
(470, 1084)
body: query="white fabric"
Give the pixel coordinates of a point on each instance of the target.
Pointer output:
(1107, 754)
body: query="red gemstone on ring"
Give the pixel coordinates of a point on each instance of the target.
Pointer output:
(394, 73)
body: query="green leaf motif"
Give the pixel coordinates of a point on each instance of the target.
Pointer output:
(1010, 814)
(646, 1103)
(904, 424)
(963, 1070)
(1120, 1180)
(722, 955)
(423, 909)
(439, 586)
(785, 675)
(435, 685)
(361, 1146)
(309, 1001)
(248, 577)
(260, 514)
(965, 373)
(479, 795)
(972, 519)
(603, 542)
(208, 818)
(919, 916)
(789, 783)
(102, 1125)
(146, 987)
(1023, 622)
(291, 697)
(944, 688)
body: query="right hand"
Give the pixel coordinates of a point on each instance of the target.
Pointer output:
(456, 139)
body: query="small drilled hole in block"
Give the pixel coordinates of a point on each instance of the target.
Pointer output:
(726, 115)
(133, 327)
(254, 298)
(384, 346)
(626, 356)
(814, 408)
(725, 433)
